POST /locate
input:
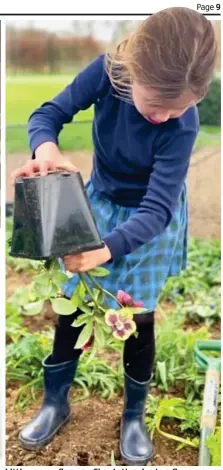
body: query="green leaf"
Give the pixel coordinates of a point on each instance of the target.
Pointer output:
(112, 459)
(43, 285)
(161, 366)
(99, 272)
(81, 320)
(63, 306)
(99, 336)
(93, 352)
(43, 290)
(84, 335)
(84, 308)
(130, 311)
(136, 310)
(173, 407)
(42, 278)
(33, 308)
(54, 290)
(101, 298)
(81, 290)
(55, 266)
(78, 295)
(59, 278)
(214, 445)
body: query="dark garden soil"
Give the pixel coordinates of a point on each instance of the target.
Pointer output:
(88, 439)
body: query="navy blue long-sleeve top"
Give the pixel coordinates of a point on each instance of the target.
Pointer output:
(135, 163)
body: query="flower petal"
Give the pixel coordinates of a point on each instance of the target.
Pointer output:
(121, 334)
(125, 313)
(130, 326)
(119, 325)
(120, 295)
(127, 300)
(111, 317)
(124, 298)
(138, 303)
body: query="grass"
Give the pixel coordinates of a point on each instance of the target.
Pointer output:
(72, 138)
(209, 136)
(25, 93)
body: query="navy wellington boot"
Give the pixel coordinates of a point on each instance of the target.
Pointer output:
(135, 445)
(55, 410)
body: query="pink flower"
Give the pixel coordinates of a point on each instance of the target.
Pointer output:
(122, 326)
(138, 303)
(126, 300)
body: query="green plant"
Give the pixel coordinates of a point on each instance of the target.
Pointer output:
(206, 307)
(210, 108)
(14, 323)
(26, 301)
(174, 408)
(112, 458)
(175, 357)
(98, 321)
(214, 446)
(24, 365)
(195, 281)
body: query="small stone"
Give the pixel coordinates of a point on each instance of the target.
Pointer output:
(69, 462)
(27, 457)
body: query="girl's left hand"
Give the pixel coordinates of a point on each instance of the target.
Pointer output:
(85, 261)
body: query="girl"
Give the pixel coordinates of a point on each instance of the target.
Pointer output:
(144, 128)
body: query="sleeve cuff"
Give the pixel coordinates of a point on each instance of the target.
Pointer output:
(37, 140)
(116, 244)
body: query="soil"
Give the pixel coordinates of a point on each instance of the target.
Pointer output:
(214, 329)
(204, 194)
(88, 439)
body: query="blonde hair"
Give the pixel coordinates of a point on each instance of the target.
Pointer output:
(173, 51)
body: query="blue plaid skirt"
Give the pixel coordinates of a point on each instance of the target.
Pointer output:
(142, 273)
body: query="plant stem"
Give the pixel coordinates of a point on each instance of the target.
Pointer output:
(96, 283)
(48, 264)
(177, 438)
(88, 289)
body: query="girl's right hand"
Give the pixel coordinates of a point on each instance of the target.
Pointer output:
(48, 158)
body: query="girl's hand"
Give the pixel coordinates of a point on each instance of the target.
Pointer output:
(85, 261)
(48, 158)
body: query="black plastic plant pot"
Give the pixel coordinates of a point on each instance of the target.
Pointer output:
(52, 217)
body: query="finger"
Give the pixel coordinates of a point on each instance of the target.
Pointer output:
(70, 264)
(71, 268)
(84, 268)
(68, 259)
(24, 171)
(27, 170)
(45, 166)
(18, 173)
(67, 266)
(68, 166)
(74, 258)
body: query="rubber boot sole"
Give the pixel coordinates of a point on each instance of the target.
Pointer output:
(38, 445)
